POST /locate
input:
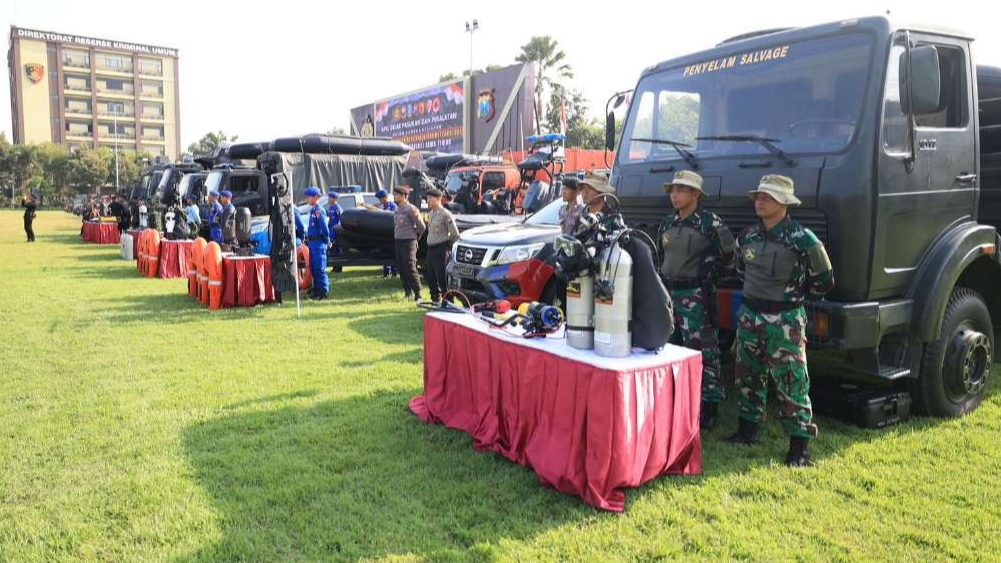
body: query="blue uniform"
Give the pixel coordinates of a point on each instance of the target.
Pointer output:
(300, 228)
(334, 219)
(214, 214)
(318, 237)
(389, 206)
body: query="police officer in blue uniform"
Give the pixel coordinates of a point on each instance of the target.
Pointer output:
(317, 237)
(215, 211)
(334, 211)
(385, 204)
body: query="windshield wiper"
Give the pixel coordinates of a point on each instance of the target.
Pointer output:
(763, 141)
(680, 147)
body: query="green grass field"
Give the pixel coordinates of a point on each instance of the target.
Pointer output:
(137, 426)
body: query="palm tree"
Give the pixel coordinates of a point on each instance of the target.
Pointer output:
(544, 51)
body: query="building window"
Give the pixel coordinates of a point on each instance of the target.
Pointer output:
(151, 89)
(77, 83)
(116, 86)
(152, 133)
(151, 67)
(79, 59)
(116, 63)
(152, 110)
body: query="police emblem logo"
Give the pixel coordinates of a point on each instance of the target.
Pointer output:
(749, 254)
(35, 71)
(485, 105)
(665, 239)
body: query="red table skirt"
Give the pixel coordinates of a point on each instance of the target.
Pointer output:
(101, 233)
(175, 255)
(246, 281)
(584, 430)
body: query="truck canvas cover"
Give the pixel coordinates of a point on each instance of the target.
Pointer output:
(322, 170)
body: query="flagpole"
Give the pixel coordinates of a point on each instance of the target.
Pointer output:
(295, 258)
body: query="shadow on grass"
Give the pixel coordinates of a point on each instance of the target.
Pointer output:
(106, 273)
(360, 478)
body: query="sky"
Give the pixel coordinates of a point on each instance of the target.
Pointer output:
(266, 70)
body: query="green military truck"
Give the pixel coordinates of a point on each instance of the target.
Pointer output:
(891, 133)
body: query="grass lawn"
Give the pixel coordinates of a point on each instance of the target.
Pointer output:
(137, 426)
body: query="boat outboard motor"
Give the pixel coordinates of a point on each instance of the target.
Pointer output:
(245, 247)
(613, 302)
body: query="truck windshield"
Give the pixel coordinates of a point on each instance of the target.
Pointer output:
(455, 180)
(148, 184)
(806, 96)
(213, 181)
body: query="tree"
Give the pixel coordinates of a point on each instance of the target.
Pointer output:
(335, 131)
(130, 167)
(544, 51)
(582, 131)
(51, 172)
(209, 143)
(89, 169)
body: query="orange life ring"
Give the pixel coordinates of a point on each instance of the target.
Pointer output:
(203, 276)
(153, 246)
(197, 247)
(212, 257)
(305, 276)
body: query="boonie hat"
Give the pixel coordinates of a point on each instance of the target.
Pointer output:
(779, 187)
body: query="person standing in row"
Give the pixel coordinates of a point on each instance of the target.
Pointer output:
(782, 263)
(30, 209)
(317, 237)
(442, 234)
(698, 249)
(407, 229)
(192, 215)
(215, 210)
(227, 217)
(385, 205)
(572, 208)
(334, 211)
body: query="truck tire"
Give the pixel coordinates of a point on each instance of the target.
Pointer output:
(955, 368)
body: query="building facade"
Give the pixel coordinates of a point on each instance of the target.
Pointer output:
(86, 92)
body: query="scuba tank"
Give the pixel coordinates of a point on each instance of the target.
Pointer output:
(613, 303)
(169, 219)
(580, 312)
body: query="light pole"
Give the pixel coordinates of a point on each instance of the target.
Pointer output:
(114, 109)
(470, 28)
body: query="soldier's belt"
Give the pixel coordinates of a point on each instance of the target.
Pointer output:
(680, 284)
(765, 307)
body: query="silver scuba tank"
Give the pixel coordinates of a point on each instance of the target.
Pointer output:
(580, 312)
(613, 303)
(170, 217)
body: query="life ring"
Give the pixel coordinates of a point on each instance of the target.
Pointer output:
(153, 247)
(197, 248)
(212, 258)
(305, 276)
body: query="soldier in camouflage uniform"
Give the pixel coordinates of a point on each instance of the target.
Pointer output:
(698, 250)
(782, 264)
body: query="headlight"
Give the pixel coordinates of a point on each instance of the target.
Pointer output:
(520, 253)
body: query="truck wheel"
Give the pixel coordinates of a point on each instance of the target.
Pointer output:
(955, 368)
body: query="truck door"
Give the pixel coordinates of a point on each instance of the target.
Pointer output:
(928, 184)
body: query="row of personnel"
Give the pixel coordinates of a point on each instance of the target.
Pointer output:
(781, 264)
(408, 227)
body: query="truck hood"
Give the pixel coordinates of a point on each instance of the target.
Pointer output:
(510, 234)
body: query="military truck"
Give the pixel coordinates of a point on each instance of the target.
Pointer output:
(890, 132)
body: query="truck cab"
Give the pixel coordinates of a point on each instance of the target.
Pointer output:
(483, 188)
(878, 125)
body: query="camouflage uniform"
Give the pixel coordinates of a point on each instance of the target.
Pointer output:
(781, 268)
(698, 250)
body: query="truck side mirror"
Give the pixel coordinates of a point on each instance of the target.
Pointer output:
(610, 131)
(920, 81)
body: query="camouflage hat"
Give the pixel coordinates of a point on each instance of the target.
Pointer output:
(779, 187)
(686, 178)
(597, 182)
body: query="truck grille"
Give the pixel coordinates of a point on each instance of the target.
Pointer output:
(470, 255)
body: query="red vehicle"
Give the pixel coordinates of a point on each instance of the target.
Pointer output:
(488, 188)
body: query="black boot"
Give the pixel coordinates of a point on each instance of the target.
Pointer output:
(709, 416)
(798, 455)
(746, 435)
